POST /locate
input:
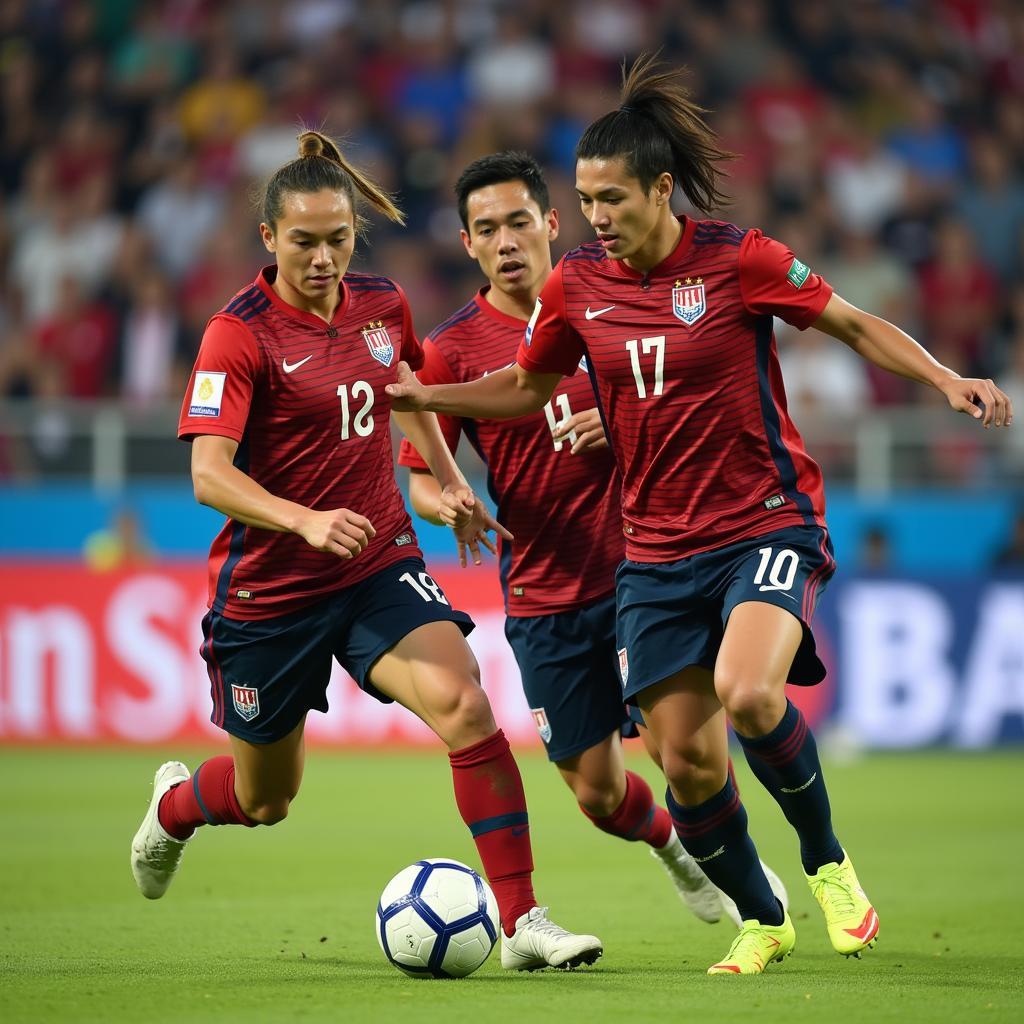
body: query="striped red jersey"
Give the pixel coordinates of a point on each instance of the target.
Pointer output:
(689, 383)
(305, 401)
(563, 509)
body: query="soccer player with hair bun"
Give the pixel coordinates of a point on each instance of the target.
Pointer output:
(289, 423)
(560, 500)
(722, 508)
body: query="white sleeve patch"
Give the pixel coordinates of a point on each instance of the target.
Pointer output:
(207, 393)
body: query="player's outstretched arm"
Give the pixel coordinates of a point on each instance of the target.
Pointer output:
(885, 345)
(509, 393)
(218, 483)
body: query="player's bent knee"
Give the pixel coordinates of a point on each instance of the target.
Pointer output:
(267, 812)
(752, 707)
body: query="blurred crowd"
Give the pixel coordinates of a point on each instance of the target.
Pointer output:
(883, 141)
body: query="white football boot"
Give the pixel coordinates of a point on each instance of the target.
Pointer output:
(777, 887)
(695, 889)
(537, 943)
(155, 854)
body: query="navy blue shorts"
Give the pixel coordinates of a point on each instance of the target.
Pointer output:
(673, 614)
(266, 674)
(570, 676)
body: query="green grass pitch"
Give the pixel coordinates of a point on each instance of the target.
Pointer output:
(276, 924)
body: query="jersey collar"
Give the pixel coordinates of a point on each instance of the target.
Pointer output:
(670, 262)
(494, 313)
(265, 280)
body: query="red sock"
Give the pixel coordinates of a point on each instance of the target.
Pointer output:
(637, 817)
(208, 798)
(489, 793)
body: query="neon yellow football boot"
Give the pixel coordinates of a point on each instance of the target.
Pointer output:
(757, 946)
(851, 920)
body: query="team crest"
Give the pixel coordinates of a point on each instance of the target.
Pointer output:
(246, 701)
(689, 302)
(623, 666)
(540, 718)
(378, 341)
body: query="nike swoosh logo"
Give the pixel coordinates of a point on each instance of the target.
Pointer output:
(292, 367)
(591, 313)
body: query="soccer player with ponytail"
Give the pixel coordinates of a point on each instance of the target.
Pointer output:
(727, 550)
(289, 424)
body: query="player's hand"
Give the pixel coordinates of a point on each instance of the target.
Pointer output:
(470, 520)
(339, 531)
(407, 393)
(980, 399)
(584, 430)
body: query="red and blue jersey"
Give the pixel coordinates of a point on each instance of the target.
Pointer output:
(688, 378)
(562, 509)
(305, 401)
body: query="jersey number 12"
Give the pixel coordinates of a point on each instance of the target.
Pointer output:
(361, 422)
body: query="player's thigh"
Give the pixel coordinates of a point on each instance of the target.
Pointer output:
(688, 725)
(268, 775)
(758, 648)
(432, 672)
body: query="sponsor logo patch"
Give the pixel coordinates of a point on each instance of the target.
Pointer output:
(775, 501)
(244, 595)
(689, 301)
(207, 393)
(404, 538)
(623, 666)
(518, 591)
(798, 273)
(378, 341)
(540, 718)
(246, 701)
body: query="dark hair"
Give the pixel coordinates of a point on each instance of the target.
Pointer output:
(512, 165)
(658, 128)
(319, 166)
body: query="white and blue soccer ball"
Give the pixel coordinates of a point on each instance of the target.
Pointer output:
(437, 918)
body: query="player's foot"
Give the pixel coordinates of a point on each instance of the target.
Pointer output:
(757, 946)
(729, 905)
(155, 854)
(694, 887)
(538, 942)
(851, 920)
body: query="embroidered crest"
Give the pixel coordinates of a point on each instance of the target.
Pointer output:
(623, 666)
(246, 701)
(378, 341)
(540, 717)
(207, 394)
(689, 303)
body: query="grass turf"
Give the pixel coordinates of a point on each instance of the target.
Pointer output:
(276, 924)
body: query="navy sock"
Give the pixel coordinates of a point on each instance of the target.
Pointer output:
(786, 764)
(715, 834)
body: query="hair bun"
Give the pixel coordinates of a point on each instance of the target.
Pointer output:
(311, 144)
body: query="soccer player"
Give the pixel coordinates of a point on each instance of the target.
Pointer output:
(289, 425)
(722, 508)
(562, 507)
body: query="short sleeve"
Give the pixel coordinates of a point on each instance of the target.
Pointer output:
(221, 386)
(773, 282)
(435, 370)
(550, 345)
(412, 350)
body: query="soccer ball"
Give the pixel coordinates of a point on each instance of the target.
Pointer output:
(437, 918)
